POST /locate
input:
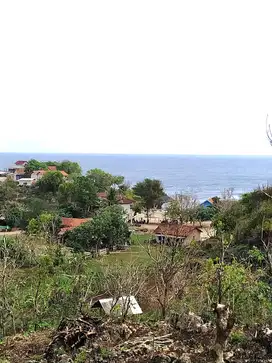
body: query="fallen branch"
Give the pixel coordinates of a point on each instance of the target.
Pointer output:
(72, 334)
(143, 342)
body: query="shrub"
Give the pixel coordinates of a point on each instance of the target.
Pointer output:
(237, 337)
(17, 250)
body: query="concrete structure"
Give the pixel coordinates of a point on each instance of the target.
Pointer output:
(26, 181)
(180, 233)
(37, 174)
(127, 204)
(124, 202)
(17, 171)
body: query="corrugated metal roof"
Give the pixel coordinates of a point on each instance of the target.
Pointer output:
(118, 306)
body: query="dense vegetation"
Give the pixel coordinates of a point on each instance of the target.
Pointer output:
(44, 281)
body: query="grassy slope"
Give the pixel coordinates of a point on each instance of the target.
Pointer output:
(136, 253)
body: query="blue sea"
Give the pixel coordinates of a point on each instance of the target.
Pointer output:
(204, 176)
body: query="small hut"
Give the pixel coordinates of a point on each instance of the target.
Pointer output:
(118, 306)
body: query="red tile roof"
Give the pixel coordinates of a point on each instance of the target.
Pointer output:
(46, 171)
(73, 222)
(40, 171)
(20, 162)
(120, 197)
(70, 223)
(52, 168)
(176, 230)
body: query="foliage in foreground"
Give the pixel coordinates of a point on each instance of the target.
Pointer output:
(43, 283)
(107, 229)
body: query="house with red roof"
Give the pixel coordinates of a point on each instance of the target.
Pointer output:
(67, 224)
(38, 174)
(179, 233)
(17, 169)
(52, 168)
(124, 202)
(21, 163)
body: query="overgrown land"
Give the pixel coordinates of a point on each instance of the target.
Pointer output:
(203, 301)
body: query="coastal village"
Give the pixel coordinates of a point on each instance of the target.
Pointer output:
(95, 268)
(157, 223)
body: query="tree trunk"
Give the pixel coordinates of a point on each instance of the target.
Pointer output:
(163, 312)
(269, 258)
(147, 216)
(224, 325)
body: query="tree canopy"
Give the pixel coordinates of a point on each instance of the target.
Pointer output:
(50, 182)
(78, 197)
(70, 167)
(182, 208)
(106, 229)
(103, 180)
(33, 165)
(151, 193)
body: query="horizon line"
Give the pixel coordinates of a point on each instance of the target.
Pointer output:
(129, 154)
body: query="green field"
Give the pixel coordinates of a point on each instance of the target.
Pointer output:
(136, 253)
(137, 238)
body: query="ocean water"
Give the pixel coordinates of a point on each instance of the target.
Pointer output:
(204, 176)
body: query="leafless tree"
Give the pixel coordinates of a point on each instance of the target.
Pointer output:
(224, 315)
(182, 208)
(7, 269)
(266, 238)
(227, 199)
(171, 270)
(268, 131)
(123, 281)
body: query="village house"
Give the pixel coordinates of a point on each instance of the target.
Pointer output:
(17, 170)
(67, 224)
(26, 182)
(124, 202)
(180, 233)
(209, 202)
(38, 174)
(21, 163)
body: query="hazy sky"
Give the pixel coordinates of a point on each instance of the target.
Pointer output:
(139, 76)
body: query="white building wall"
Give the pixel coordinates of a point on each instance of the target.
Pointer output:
(25, 181)
(127, 209)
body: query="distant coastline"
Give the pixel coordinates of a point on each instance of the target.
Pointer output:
(202, 175)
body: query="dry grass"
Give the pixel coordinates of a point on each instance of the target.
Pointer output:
(21, 348)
